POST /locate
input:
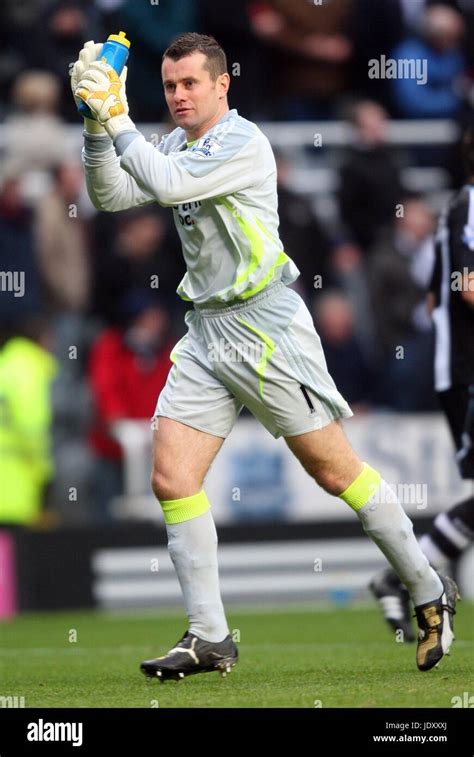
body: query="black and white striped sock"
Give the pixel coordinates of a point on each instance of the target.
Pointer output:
(451, 534)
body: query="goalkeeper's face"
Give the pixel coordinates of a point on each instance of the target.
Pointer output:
(195, 100)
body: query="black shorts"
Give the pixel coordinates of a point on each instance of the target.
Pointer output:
(458, 406)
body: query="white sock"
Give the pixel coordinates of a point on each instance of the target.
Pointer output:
(387, 524)
(192, 546)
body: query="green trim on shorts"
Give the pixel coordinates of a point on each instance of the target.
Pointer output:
(269, 348)
(186, 508)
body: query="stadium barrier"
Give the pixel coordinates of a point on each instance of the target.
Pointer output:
(312, 171)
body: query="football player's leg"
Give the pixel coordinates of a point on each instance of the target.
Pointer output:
(327, 456)
(182, 456)
(290, 390)
(194, 414)
(450, 534)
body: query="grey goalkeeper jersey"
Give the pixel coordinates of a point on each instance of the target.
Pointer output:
(222, 189)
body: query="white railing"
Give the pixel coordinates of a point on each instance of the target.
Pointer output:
(300, 134)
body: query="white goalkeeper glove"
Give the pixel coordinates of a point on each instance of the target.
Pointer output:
(103, 90)
(88, 55)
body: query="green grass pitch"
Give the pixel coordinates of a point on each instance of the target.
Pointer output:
(289, 657)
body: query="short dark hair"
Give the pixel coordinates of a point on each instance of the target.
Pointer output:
(468, 150)
(191, 42)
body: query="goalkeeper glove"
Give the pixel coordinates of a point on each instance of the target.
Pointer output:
(88, 55)
(103, 90)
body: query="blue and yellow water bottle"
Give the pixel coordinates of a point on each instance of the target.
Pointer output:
(114, 52)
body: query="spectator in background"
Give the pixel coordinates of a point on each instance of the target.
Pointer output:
(128, 368)
(141, 256)
(62, 243)
(348, 272)
(302, 235)
(20, 285)
(377, 27)
(247, 56)
(413, 11)
(65, 26)
(370, 183)
(35, 138)
(109, 12)
(26, 467)
(72, 422)
(347, 363)
(151, 27)
(313, 53)
(18, 23)
(440, 44)
(467, 9)
(399, 270)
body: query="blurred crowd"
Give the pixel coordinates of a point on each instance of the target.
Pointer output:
(86, 343)
(289, 59)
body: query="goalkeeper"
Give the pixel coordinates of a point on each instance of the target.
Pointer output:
(217, 172)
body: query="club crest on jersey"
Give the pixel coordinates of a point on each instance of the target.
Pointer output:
(207, 146)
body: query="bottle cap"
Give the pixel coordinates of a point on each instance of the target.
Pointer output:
(120, 37)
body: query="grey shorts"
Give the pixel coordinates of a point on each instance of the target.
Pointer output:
(263, 353)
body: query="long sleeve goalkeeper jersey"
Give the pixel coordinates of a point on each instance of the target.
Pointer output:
(222, 189)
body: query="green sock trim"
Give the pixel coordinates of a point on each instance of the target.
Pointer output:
(362, 489)
(179, 510)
